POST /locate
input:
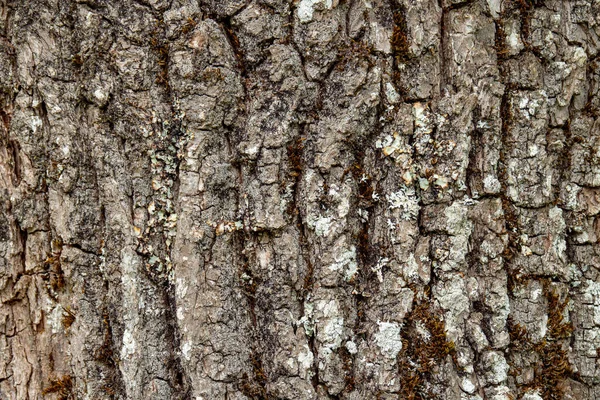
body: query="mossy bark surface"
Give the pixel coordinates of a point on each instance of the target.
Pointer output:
(307, 199)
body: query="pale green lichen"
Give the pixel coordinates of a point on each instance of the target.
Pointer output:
(305, 362)
(320, 224)
(170, 138)
(306, 8)
(406, 200)
(388, 339)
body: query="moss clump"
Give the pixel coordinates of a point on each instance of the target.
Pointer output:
(161, 48)
(557, 327)
(552, 370)
(348, 368)
(295, 151)
(77, 60)
(52, 265)
(62, 387)
(353, 52)
(68, 318)
(500, 41)
(189, 25)
(255, 388)
(399, 39)
(518, 335)
(424, 347)
(552, 367)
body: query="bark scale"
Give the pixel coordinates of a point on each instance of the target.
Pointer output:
(308, 199)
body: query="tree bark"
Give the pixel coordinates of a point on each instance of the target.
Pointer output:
(307, 199)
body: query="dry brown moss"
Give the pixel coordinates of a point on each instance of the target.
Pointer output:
(421, 355)
(52, 265)
(557, 327)
(399, 40)
(68, 318)
(255, 388)
(62, 387)
(553, 367)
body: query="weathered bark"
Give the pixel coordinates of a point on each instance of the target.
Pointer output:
(308, 199)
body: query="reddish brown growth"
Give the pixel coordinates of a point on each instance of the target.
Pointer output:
(424, 347)
(52, 264)
(553, 366)
(500, 41)
(399, 39)
(68, 318)
(355, 51)
(557, 328)
(294, 153)
(212, 74)
(77, 60)
(347, 366)
(551, 372)
(518, 334)
(189, 25)
(104, 353)
(256, 388)
(161, 48)
(62, 387)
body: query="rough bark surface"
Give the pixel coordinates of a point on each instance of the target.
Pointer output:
(308, 199)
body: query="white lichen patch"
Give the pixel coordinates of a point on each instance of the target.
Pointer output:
(346, 262)
(351, 347)
(452, 297)
(223, 227)
(100, 96)
(307, 320)
(421, 115)
(169, 142)
(306, 8)
(559, 246)
(129, 344)
(459, 227)
(405, 200)
(579, 57)
(496, 367)
(35, 123)
(388, 339)
(334, 327)
(55, 319)
(491, 184)
(411, 269)
(186, 349)
(180, 313)
(382, 262)
(591, 296)
(390, 144)
(457, 221)
(321, 225)
(305, 362)
(181, 288)
(533, 395)
(466, 384)
(391, 93)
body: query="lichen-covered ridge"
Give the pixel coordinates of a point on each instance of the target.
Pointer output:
(299, 199)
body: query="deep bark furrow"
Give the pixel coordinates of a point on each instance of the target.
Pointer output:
(308, 199)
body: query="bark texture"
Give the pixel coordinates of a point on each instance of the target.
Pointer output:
(308, 199)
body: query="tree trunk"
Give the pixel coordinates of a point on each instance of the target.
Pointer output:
(307, 199)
